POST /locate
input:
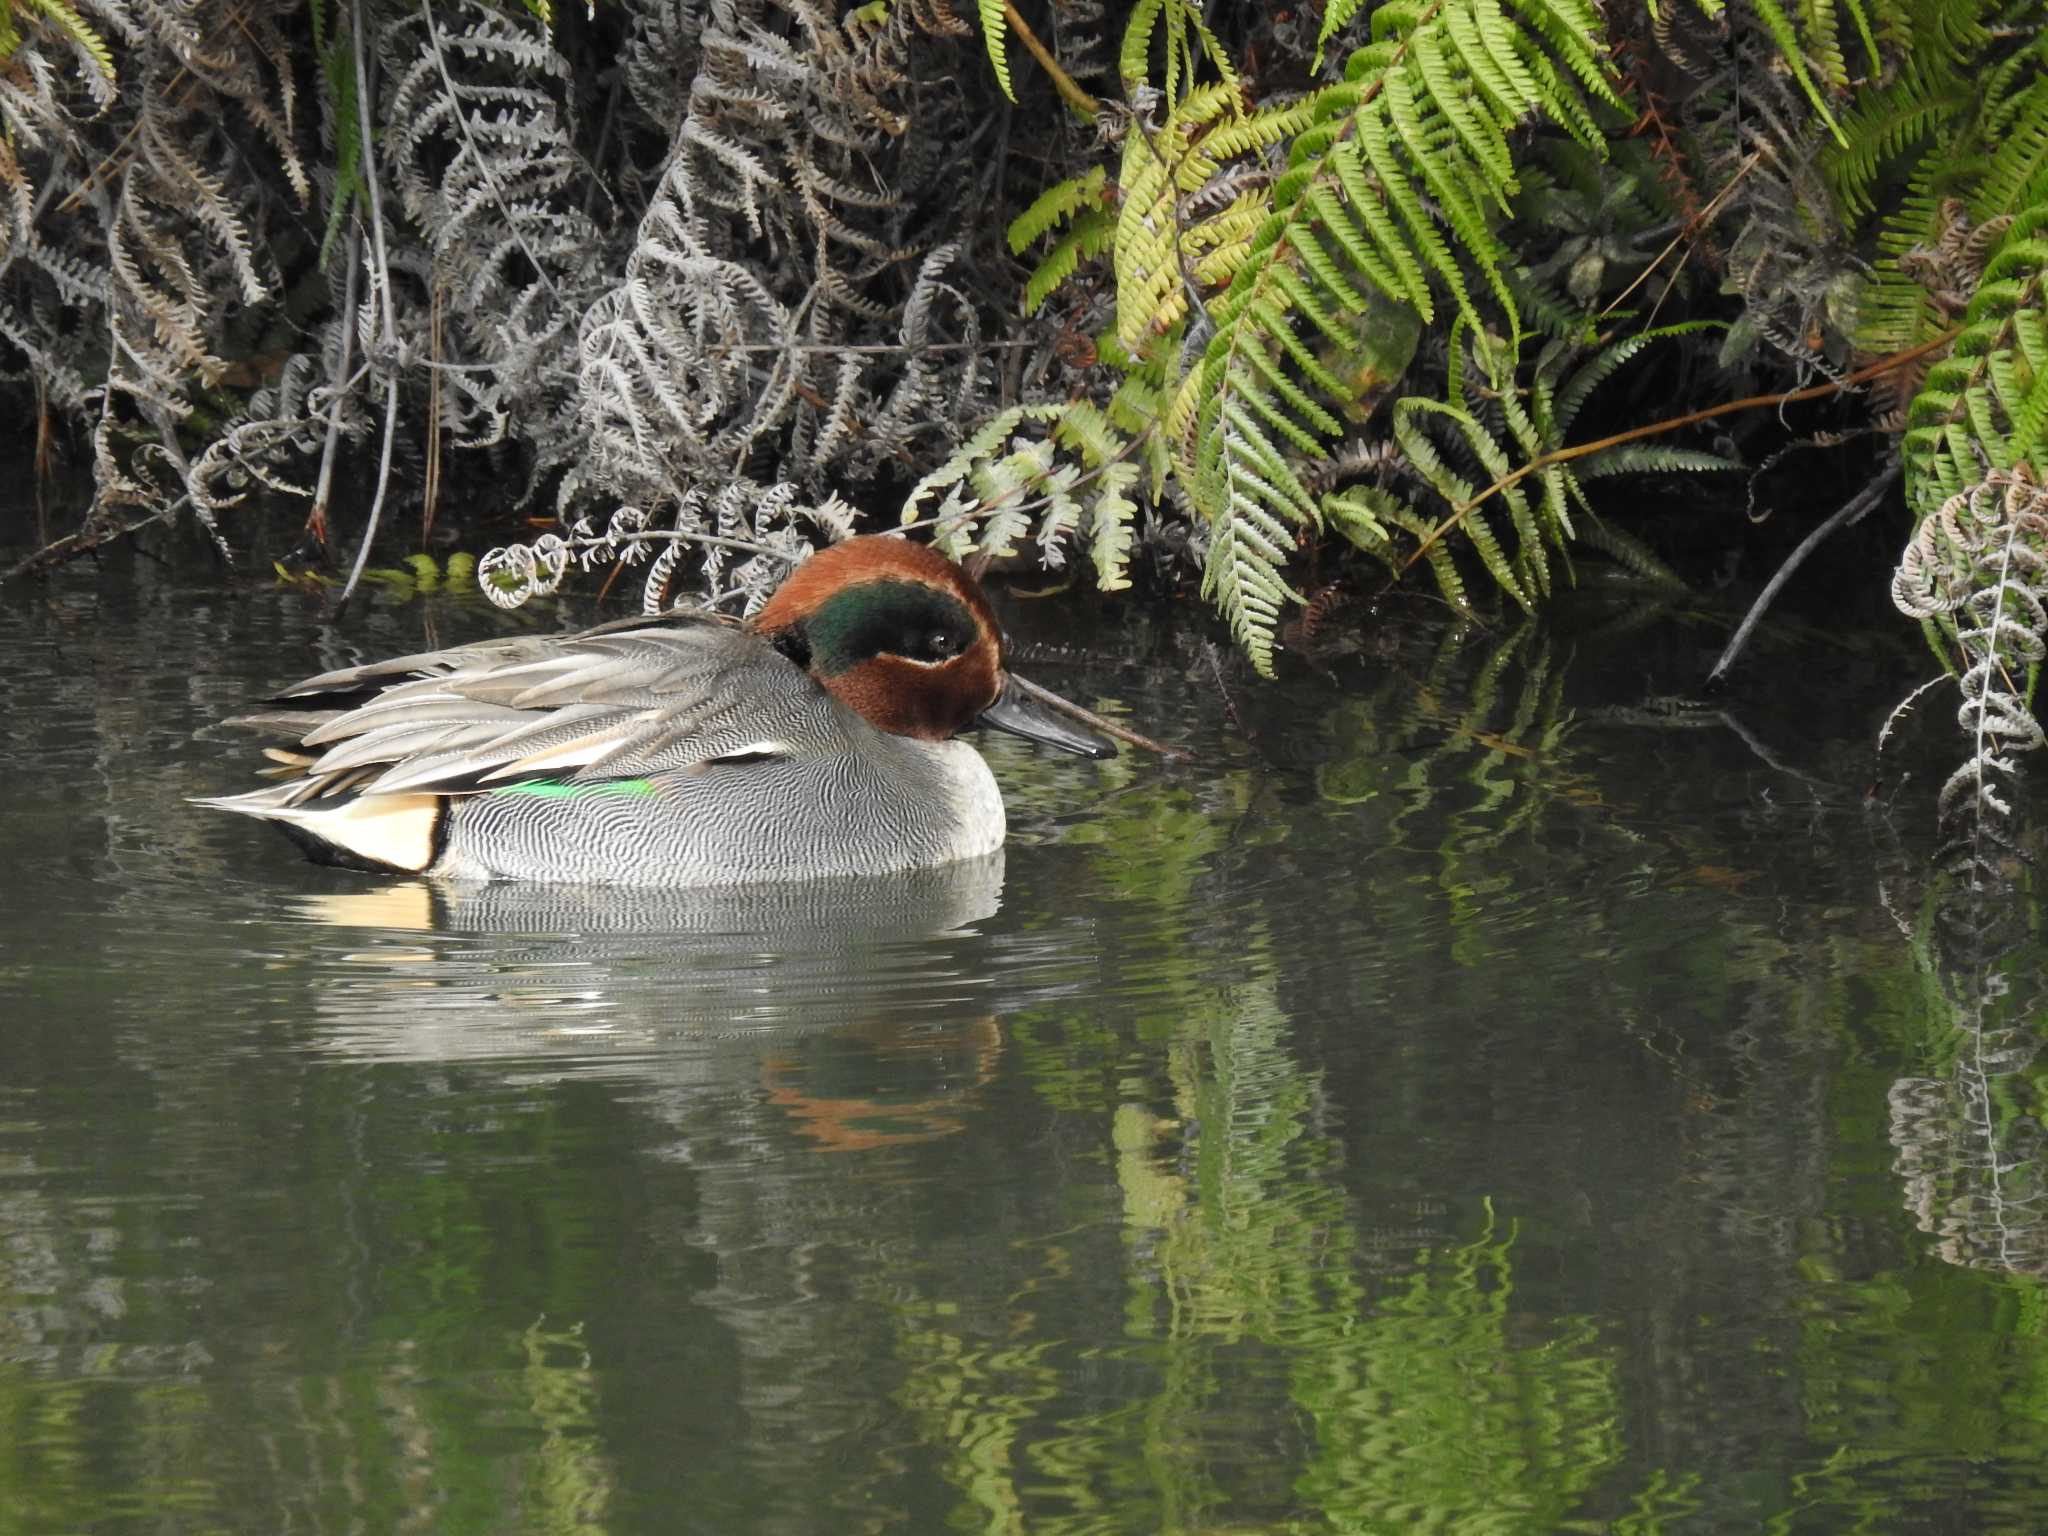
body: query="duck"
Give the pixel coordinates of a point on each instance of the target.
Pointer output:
(820, 738)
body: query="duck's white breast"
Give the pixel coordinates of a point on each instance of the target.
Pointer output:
(962, 779)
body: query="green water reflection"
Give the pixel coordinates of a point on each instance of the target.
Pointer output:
(1476, 1096)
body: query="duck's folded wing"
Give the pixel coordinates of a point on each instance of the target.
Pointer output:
(620, 702)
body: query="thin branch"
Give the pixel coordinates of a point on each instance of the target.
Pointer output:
(1052, 700)
(430, 500)
(1851, 511)
(381, 285)
(1692, 225)
(377, 503)
(1672, 424)
(1062, 82)
(86, 540)
(316, 520)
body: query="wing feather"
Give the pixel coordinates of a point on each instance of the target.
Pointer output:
(621, 701)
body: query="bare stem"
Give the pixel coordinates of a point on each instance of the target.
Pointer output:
(1062, 82)
(377, 503)
(1088, 717)
(1882, 366)
(1851, 511)
(323, 487)
(381, 286)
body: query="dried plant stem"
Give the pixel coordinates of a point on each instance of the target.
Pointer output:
(86, 540)
(1851, 511)
(1062, 82)
(430, 498)
(380, 294)
(1542, 461)
(355, 573)
(316, 520)
(1088, 717)
(1691, 228)
(44, 460)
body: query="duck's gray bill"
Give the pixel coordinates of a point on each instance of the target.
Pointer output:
(1018, 713)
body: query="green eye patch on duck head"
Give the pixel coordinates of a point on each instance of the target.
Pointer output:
(884, 617)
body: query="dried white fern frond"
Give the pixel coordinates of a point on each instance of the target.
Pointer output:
(746, 539)
(1978, 569)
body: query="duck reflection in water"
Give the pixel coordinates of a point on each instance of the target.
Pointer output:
(849, 1005)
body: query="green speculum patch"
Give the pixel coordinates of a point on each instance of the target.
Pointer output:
(560, 789)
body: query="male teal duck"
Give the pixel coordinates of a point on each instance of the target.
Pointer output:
(816, 740)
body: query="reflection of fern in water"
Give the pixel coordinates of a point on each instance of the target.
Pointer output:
(1466, 753)
(1975, 1164)
(1971, 1146)
(1421, 1384)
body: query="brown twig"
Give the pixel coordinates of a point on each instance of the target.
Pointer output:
(1691, 227)
(1088, 717)
(83, 542)
(430, 500)
(1062, 82)
(381, 293)
(45, 458)
(1671, 424)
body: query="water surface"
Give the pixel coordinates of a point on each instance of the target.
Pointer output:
(1478, 1094)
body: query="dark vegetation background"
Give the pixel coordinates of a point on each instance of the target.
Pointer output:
(1284, 305)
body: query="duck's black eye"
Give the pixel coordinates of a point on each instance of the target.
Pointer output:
(941, 644)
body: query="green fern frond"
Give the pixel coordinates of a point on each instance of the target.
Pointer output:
(2015, 171)
(1888, 122)
(1649, 459)
(1337, 16)
(1092, 234)
(337, 64)
(1361, 513)
(995, 33)
(1427, 461)
(1860, 15)
(1090, 433)
(1112, 519)
(1185, 35)
(1394, 187)
(1986, 403)
(1058, 203)
(1536, 418)
(1786, 36)
(1632, 553)
(1602, 365)
(1820, 26)
(1151, 247)
(1237, 329)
